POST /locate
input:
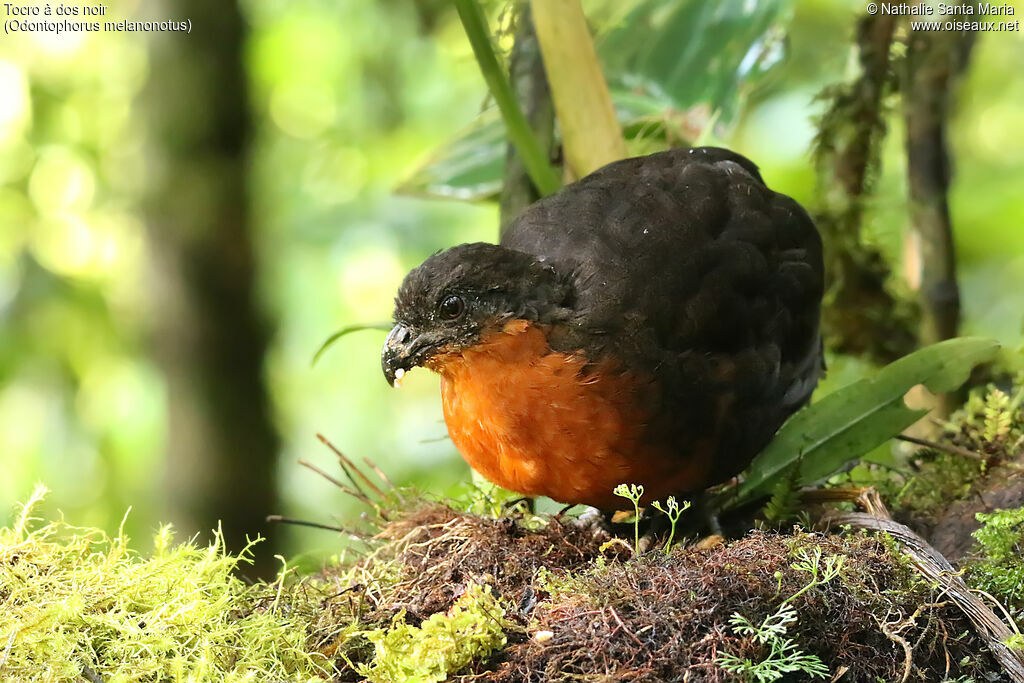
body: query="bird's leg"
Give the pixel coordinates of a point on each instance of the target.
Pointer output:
(594, 520)
(657, 529)
(704, 507)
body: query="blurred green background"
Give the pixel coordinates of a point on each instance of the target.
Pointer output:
(103, 180)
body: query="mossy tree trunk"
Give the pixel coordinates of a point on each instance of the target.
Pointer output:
(934, 61)
(208, 334)
(861, 316)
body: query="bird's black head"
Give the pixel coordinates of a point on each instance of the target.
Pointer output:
(458, 296)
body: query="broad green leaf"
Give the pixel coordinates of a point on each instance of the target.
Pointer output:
(470, 167)
(672, 67)
(681, 54)
(850, 422)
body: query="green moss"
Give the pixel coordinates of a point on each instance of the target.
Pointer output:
(74, 599)
(443, 644)
(1000, 568)
(1002, 534)
(991, 421)
(922, 487)
(432, 599)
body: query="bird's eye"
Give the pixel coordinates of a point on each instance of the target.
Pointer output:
(452, 307)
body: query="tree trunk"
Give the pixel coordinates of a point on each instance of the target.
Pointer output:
(934, 60)
(861, 316)
(208, 334)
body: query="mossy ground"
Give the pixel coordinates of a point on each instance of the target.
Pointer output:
(76, 604)
(991, 426)
(576, 608)
(445, 593)
(492, 595)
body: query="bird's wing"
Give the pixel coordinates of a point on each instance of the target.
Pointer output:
(684, 263)
(690, 243)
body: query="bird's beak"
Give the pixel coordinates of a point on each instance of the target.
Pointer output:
(403, 350)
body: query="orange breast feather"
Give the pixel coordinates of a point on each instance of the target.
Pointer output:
(540, 422)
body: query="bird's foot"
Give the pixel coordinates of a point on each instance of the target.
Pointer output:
(592, 519)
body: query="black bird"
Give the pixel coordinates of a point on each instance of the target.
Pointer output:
(654, 323)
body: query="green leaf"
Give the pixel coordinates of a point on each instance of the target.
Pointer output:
(470, 167)
(384, 327)
(671, 68)
(852, 421)
(695, 52)
(535, 159)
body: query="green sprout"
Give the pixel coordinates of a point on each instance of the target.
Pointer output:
(810, 562)
(672, 510)
(784, 656)
(383, 327)
(634, 493)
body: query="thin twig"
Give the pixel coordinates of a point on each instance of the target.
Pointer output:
(301, 522)
(358, 495)
(840, 672)
(384, 478)
(865, 496)
(934, 567)
(945, 448)
(346, 464)
(628, 632)
(908, 652)
(994, 601)
(383, 327)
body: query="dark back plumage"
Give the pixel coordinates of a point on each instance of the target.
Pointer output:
(686, 266)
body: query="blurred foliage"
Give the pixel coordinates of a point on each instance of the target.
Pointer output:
(349, 99)
(81, 406)
(650, 50)
(992, 421)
